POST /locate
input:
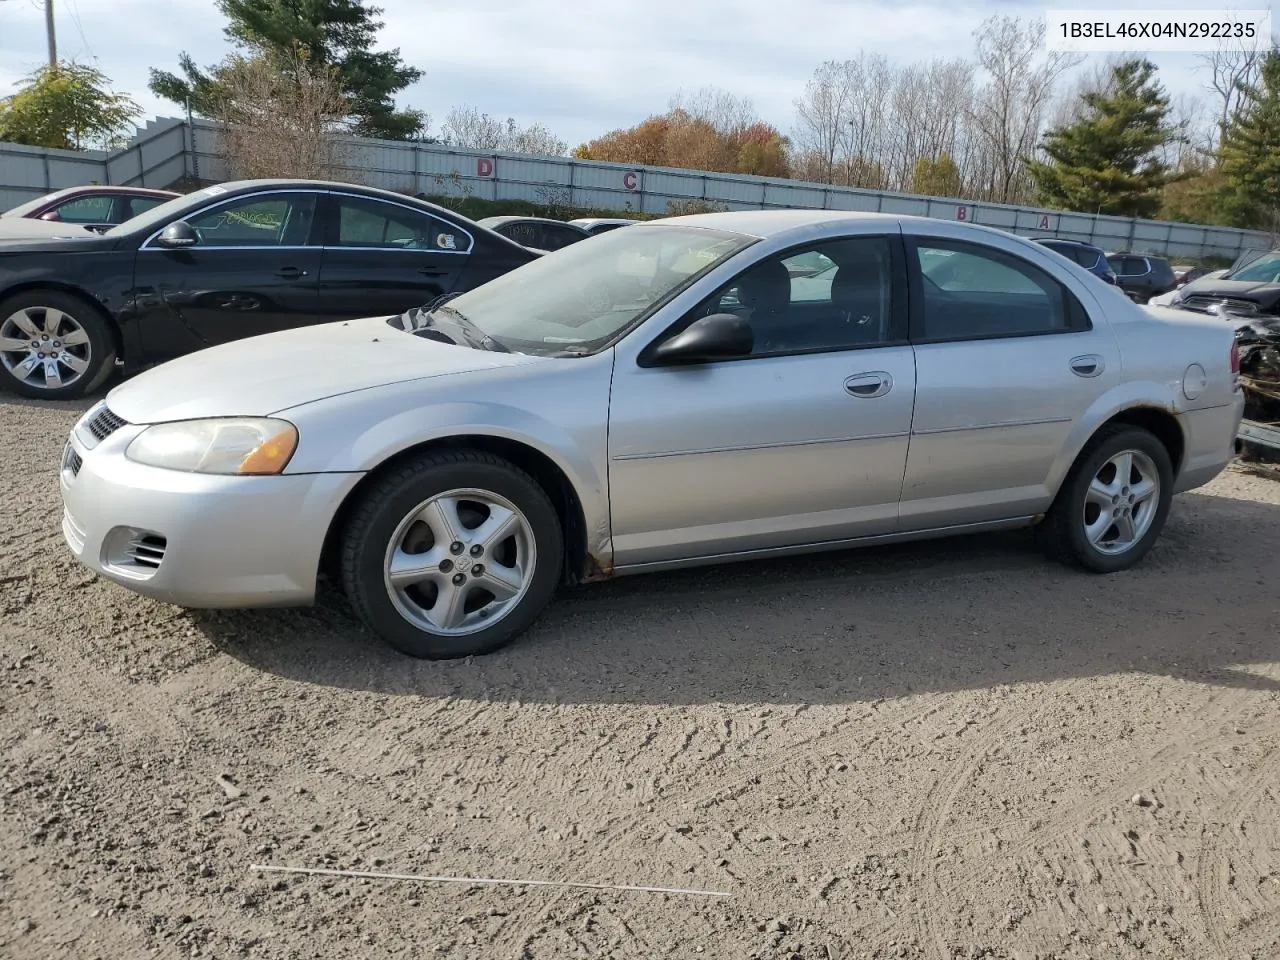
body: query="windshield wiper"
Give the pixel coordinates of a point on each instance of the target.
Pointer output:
(474, 334)
(428, 323)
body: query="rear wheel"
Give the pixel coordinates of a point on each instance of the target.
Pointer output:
(53, 345)
(1114, 502)
(453, 554)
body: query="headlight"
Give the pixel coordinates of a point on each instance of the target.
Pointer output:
(248, 446)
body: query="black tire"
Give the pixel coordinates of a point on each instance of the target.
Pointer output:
(375, 518)
(101, 347)
(1063, 527)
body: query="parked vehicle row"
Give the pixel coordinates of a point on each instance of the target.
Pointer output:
(686, 391)
(224, 263)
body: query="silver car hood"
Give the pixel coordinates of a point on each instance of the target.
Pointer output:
(265, 374)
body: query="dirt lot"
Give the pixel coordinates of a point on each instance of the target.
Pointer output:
(945, 750)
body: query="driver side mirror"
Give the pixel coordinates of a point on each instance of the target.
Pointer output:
(178, 234)
(720, 336)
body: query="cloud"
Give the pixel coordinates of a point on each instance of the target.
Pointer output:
(579, 67)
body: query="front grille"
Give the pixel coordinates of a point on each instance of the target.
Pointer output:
(147, 551)
(1232, 305)
(104, 423)
(71, 461)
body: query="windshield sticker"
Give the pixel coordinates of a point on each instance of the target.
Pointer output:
(214, 191)
(447, 241)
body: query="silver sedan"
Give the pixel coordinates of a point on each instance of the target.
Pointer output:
(686, 391)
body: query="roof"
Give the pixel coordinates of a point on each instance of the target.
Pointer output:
(511, 218)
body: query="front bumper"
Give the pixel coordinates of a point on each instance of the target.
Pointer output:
(195, 540)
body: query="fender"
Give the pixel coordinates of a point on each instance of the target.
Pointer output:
(405, 426)
(1125, 396)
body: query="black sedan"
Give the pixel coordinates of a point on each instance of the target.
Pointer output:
(223, 263)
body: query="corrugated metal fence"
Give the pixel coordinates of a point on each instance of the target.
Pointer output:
(167, 149)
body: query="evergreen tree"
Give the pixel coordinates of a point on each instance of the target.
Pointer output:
(1250, 152)
(336, 33)
(1108, 161)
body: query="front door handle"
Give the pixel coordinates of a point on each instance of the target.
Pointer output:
(290, 273)
(432, 272)
(869, 385)
(1089, 365)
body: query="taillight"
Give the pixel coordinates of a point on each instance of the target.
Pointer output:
(1235, 356)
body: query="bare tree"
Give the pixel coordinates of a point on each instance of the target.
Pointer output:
(469, 128)
(728, 114)
(1230, 66)
(281, 116)
(1009, 112)
(823, 116)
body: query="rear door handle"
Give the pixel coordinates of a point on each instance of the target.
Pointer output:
(432, 272)
(290, 273)
(869, 385)
(1089, 365)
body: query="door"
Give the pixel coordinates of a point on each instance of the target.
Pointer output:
(252, 270)
(1006, 364)
(802, 441)
(1134, 276)
(382, 258)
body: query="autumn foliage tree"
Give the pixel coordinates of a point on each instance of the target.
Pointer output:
(714, 132)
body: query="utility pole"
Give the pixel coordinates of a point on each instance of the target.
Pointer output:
(48, 27)
(49, 32)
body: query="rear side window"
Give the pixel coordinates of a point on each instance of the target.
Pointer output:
(972, 292)
(1088, 257)
(138, 205)
(554, 237)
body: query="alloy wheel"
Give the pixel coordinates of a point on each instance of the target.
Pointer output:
(459, 562)
(44, 347)
(1121, 501)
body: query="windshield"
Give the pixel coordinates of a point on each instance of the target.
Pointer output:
(160, 215)
(582, 297)
(1265, 270)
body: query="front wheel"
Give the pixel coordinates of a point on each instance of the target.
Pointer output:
(452, 554)
(53, 345)
(1114, 502)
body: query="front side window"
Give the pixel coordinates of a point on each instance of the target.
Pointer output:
(84, 210)
(971, 292)
(588, 294)
(257, 221)
(834, 295)
(364, 222)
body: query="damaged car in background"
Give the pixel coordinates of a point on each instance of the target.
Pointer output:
(1258, 343)
(1248, 296)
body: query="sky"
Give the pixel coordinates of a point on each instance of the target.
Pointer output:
(579, 67)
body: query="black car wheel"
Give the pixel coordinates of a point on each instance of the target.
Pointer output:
(53, 345)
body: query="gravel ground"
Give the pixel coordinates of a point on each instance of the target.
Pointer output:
(954, 749)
